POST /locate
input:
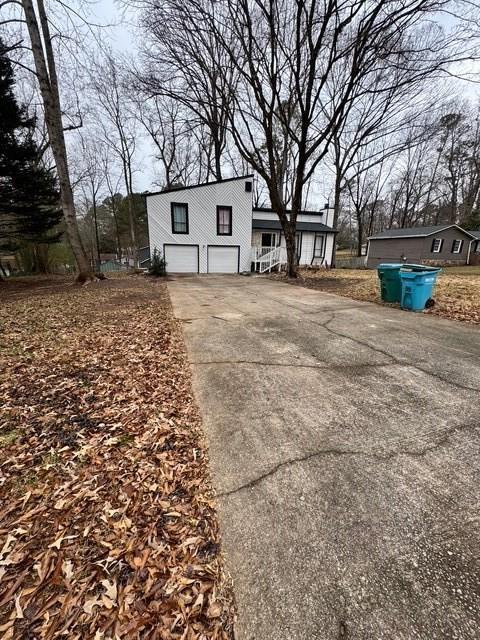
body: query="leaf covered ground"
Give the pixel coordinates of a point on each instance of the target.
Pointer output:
(108, 526)
(457, 294)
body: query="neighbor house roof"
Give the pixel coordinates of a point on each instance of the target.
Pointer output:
(195, 186)
(301, 226)
(417, 232)
(475, 233)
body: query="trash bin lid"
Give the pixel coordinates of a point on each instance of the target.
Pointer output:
(390, 265)
(420, 267)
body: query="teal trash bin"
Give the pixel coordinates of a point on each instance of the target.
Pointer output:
(390, 283)
(417, 286)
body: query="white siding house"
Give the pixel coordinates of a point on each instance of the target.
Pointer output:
(212, 228)
(199, 246)
(314, 241)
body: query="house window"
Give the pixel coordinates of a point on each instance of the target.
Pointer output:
(457, 246)
(437, 245)
(179, 212)
(477, 246)
(318, 247)
(224, 221)
(269, 240)
(248, 187)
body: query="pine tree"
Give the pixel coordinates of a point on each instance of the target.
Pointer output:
(29, 198)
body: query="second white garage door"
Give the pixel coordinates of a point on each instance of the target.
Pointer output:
(223, 259)
(181, 258)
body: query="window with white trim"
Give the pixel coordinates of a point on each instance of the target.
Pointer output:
(437, 245)
(457, 246)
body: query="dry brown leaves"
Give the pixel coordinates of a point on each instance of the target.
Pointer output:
(457, 295)
(108, 526)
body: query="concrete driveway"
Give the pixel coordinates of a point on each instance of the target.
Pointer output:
(345, 452)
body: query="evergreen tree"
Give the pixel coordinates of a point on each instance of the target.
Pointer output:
(29, 199)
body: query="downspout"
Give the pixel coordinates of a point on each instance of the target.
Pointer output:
(470, 249)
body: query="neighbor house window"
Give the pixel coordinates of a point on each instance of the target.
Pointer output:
(179, 217)
(224, 221)
(437, 245)
(457, 246)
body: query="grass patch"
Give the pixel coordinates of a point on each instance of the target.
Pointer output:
(8, 437)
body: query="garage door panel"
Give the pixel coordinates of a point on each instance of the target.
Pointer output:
(223, 259)
(181, 258)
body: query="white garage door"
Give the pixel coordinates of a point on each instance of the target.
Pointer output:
(181, 258)
(223, 259)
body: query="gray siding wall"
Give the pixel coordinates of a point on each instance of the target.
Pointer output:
(419, 250)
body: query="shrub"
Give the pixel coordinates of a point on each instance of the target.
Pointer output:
(158, 266)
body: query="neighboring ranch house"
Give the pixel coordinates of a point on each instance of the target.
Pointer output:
(440, 245)
(213, 228)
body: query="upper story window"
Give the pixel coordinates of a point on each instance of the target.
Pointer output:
(437, 245)
(179, 217)
(457, 246)
(248, 187)
(224, 221)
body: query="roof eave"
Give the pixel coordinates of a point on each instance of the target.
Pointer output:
(196, 186)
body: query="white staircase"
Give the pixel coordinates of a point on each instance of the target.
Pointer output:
(266, 258)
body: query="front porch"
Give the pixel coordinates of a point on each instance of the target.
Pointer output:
(269, 252)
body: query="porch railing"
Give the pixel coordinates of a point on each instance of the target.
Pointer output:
(265, 258)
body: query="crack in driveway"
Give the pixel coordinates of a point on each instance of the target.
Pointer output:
(336, 451)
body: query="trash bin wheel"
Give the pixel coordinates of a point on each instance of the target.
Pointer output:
(429, 303)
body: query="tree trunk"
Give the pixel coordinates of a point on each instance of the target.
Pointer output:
(291, 253)
(359, 234)
(117, 232)
(48, 83)
(218, 156)
(336, 209)
(97, 241)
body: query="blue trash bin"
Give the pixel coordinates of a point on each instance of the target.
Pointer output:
(417, 286)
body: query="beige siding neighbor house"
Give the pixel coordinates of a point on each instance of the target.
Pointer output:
(439, 245)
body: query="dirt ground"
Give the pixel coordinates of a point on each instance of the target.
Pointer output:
(457, 293)
(107, 516)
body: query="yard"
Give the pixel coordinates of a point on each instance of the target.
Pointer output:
(457, 294)
(108, 520)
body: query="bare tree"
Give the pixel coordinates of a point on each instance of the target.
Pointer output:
(175, 142)
(93, 181)
(120, 133)
(45, 68)
(185, 63)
